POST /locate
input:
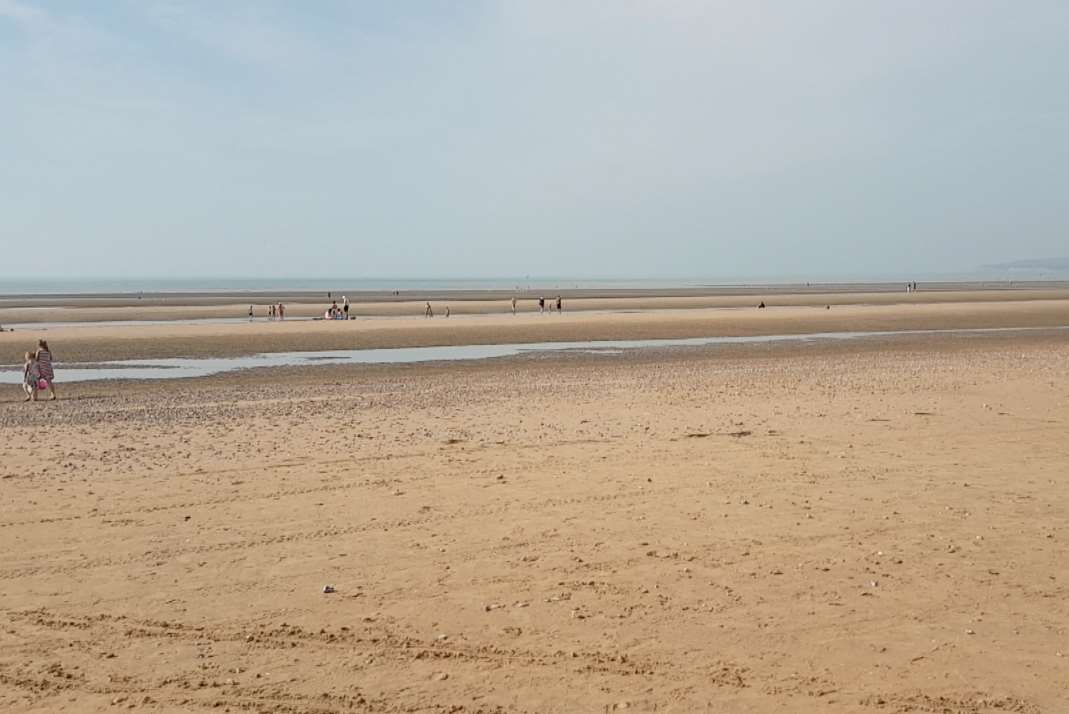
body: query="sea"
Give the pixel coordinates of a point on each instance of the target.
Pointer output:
(133, 285)
(79, 286)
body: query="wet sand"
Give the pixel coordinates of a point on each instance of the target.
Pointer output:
(26, 310)
(657, 319)
(875, 527)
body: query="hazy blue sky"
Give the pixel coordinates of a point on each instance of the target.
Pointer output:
(602, 138)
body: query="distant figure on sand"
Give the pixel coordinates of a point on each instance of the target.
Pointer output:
(250, 313)
(44, 367)
(541, 305)
(761, 306)
(447, 311)
(281, 311)
(513, 304)
(345, 305)
(559, 304)
(30, 375)
(428, 312)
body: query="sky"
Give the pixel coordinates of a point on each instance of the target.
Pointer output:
(459, 138)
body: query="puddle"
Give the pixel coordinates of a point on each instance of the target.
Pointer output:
(182, 368)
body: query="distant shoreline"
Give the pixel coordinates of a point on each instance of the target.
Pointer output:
(590, 291)
(12, 287)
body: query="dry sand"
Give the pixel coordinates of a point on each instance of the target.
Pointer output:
(874, 526)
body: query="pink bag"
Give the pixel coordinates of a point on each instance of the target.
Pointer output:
(42, 383)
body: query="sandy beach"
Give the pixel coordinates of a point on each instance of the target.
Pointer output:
(872, 526)
(18, 309)
(534, 358)
(146, 331)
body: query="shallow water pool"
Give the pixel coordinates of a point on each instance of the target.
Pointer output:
(182, 368)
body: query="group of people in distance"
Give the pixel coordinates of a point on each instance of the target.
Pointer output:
(338, 313)
(341, 312)
(37, 373)
(428, 310)
(274, 312)
(542, 305)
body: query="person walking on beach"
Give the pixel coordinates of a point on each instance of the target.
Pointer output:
(345, 305)
(541, 305)
(281, 311)
(428, 312)
(513, 304)
(44, 367)
(250, 313)
(559, 304)
(30, 375)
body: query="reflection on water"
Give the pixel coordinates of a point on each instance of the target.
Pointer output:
(180, 367)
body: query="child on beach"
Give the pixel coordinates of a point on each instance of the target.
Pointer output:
(30, 374)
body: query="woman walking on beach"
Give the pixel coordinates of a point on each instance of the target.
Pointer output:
(30, 374)
(44, 367)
